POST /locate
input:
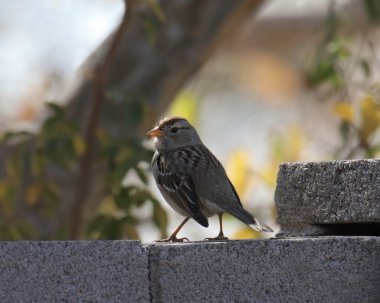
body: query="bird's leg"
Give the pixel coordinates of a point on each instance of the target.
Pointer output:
(173, 237)
(221, 236)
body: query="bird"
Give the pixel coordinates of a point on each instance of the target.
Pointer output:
(192, 180)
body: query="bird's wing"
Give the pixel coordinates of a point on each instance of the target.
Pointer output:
(212, 182)
(179, 187)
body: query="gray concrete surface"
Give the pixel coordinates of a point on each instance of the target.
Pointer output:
(310, 196)
(73, 271)
(323, 269)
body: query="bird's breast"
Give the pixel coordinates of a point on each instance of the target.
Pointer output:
(210, 208)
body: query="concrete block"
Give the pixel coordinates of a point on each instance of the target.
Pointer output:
(323, 269)
(312, 198)
(73, 271)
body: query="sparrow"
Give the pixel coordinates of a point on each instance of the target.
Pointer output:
(192, 180)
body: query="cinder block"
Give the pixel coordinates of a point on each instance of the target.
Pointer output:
(312, 198)
(73, 271)
(323, 269)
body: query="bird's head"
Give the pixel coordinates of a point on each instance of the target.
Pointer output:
(172, 133)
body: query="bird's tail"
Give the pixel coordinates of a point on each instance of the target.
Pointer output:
(260, 226)
(248, 219)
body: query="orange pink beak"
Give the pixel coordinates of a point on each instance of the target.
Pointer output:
(155, 132)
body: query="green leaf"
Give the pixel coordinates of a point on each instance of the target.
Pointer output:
(123, 198)
(160, 217)
(157, 10)
(365, 66)
(7, 195)
(97, 224)
(134, 113)
(105, 228)
(79, 145)
(321, 72)
(337, 49)
(52, 192)
(131, 232)
(13, 167)
(123, 154)
(113, 230)
(141, 175)
(344, 129)
(37, 163)
(19, 230)
(150, 28)
(33, 193)
(140, 196)
(57, 110)
(15, 137)
(4, 186)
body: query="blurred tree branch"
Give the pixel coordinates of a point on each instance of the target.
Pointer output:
(158, 66)
(86, 159)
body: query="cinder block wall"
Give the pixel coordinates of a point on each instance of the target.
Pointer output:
(327, 198)
(307, 263)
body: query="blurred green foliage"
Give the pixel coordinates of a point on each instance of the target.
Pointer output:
(333, 67)
(326, 64)
(329, 71)
(42, 167)
(28, 187)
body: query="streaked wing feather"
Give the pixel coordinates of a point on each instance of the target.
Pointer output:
(180, 188)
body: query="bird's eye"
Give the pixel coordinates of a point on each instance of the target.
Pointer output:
(174, 130)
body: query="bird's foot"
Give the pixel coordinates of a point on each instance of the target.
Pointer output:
(218, 238)
(173, 240)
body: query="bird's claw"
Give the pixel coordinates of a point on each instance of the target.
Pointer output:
(218, 238)
(173, 240)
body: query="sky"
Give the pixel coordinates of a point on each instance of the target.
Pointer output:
(41, 38)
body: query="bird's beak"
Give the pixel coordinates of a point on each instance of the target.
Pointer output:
(155, 132)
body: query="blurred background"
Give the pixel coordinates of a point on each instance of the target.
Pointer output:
(264, 82)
